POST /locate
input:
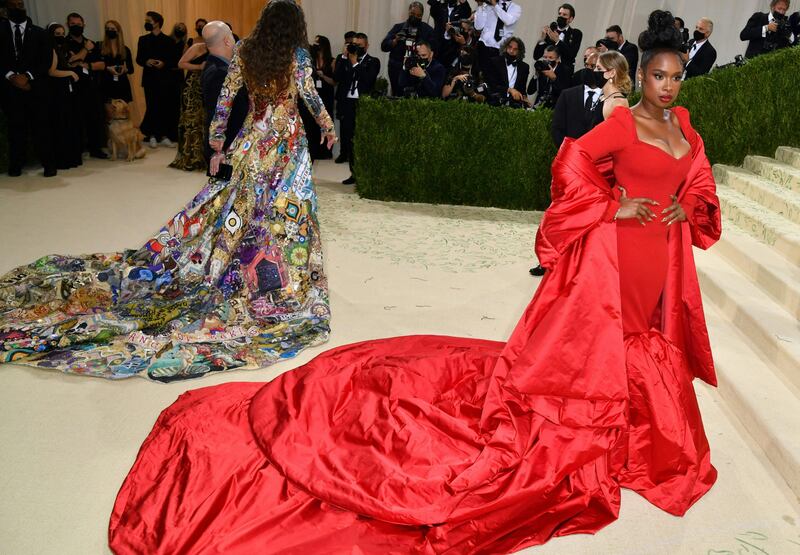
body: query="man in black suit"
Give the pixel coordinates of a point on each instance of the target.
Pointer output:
(768, 31)
(447, 14)
(578, 110)
(551, 78)
(508, 74)
(401, 39)
(630, 51)
(156, 53)
(25, 59)
(589, 61)
(794, 23)
(561, 35)
(219, 41)
(701, 55)
(426, 78)
(355, 76)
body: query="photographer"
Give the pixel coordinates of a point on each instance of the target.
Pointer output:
(551, 78)
(401, 40)
(464, 80)
(630, 51)
(794, 23)
(589, 61)
(422, 77)
(508, 75)
(561, 35)
(496, 21)
(447, 17)
(701, 56)
(355, 76)
(768, 31)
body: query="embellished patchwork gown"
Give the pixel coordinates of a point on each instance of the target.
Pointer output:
(233, 280)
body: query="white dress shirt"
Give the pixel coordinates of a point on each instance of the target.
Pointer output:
(695, 47)
(770, 19)
(512, 74)
(487, 16)
(595, 98)
(22, 27)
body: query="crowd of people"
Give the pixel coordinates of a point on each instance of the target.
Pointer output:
(469, 54)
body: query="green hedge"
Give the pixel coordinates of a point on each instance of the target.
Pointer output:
(457, 153)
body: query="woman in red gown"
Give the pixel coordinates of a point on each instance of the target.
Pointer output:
(446, 445)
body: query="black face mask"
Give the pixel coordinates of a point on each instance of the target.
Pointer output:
(59, 40)
(413, 21)
(353, 48)
(561, 22)
(112, 33)
(510, 59)
(179, 34)
(423, 63)
(18, 15)
(76, 30)
(148, 26)
(598, 79)
(698, 36)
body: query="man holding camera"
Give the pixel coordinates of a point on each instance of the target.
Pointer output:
(496, 20)
(508, 74)
(401, 40)
(768, 31)
(561, 35)
(463, 81)
(551, 78)
(355, 76)
(423, 76)
(701, 56)
(447, 17)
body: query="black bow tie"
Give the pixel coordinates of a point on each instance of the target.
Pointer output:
(512, 63)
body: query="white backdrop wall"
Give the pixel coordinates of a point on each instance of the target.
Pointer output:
(375, 17)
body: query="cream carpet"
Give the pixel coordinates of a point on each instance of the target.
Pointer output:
(67, 442)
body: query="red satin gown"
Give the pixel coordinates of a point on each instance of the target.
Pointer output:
(447, 445)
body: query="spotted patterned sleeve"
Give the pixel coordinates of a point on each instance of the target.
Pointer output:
(233, 82)
(304, 77)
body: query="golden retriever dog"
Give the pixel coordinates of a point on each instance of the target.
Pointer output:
(122, 134)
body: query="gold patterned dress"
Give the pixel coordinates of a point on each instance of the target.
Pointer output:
(191, 132)
(234, 280)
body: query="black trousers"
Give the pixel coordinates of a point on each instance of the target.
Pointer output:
(162, 112)
(486, 53)
(66, 123)
(348, 107)
(394, 70)
(27, 111)
(92, 107)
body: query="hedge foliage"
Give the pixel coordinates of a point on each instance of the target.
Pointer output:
(457, 153)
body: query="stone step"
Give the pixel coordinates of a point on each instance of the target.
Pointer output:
(765, 225)
(775, 171)
(789, 156)
(771, 272)
(767, 408)
(770, 330)
(768, 194)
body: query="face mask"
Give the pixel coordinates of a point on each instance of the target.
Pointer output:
(76, 30)
(561, 21)
(355, 49)
(509, 58)
(111, 33)
(423, 63)
(599, 79)
(413, 21)
(698, 36)
(59, 40)
(199, 31)
(18, 15)
(180, 34)
(148, 26)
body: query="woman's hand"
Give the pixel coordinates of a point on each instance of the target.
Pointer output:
(674, 212)
(631, 208)
(330, 138)
(216, 160)
(74, 76)
(216, 145)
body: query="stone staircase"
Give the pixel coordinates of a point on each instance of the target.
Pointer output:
(751, 286)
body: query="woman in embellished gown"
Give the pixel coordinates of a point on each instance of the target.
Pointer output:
(234, 280)
(191, 135)
(446, 445)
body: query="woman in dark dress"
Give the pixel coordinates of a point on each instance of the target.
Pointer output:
(191, 126)
(114, 82)
(322, 60)
(64, 105)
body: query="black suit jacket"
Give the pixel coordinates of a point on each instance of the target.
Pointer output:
(753, 32)
(365, 72)
(158, 47)
(570, 117)
(568, 48)
(211, 81)
(441, 17)
(396, 54)
(37, 55)
(497, 76)
(794, 22)
(541, 84)
(703, 60)
(631, 53)
(429, 87)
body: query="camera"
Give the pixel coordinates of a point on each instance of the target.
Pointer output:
(456, 29)
(543, 64)
(608, 43)
(738, 61)
(782, 36)
(412, 61)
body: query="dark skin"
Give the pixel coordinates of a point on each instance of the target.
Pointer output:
(656, 125)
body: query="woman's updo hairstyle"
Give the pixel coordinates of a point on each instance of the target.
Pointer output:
(660, 36)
